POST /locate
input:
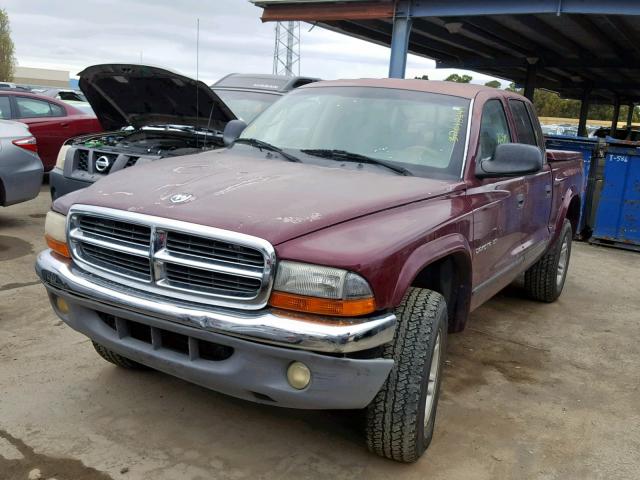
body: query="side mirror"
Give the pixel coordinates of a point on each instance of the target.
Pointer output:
(232, 131)
(511, 160)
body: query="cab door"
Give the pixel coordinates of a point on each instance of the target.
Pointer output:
(497, 205)
(537, 187)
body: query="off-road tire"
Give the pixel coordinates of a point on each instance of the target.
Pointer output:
(541, 279)
(117, 359)
(395, 426)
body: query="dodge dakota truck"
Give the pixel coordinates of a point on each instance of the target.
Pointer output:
(322, 258)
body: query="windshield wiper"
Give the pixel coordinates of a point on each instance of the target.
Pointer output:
(355, 157)
(254, 142)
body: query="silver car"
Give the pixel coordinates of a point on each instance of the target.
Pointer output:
(20, 167)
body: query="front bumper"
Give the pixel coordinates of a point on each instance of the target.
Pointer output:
(61, 185)
(264, 343)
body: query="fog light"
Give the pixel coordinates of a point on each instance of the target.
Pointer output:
(298, 375)
(62, 305)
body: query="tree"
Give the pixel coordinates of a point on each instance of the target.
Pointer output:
(493, 84)
(454, 77)
(423, 77)
(7, 59)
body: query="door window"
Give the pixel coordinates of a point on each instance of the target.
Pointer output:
(34, 108)
(524, 128)
(5, 108)
(494, 129)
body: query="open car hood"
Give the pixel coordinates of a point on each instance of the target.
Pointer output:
(139, 95)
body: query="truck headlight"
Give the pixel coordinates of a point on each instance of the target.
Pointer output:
(55, 233)
(62, 155)
(324, 290)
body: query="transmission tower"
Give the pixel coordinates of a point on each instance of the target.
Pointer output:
(286, 54)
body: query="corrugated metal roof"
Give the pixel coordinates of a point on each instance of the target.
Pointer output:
(572, 43)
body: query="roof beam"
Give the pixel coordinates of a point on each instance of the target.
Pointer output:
(448, 8)
(319, 10)
(326, 11)
(555, 62)
(457, 45)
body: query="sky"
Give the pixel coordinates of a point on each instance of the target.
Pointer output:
(74, 34)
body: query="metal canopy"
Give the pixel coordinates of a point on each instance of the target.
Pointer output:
(572, 47)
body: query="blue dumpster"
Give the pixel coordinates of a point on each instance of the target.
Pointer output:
(592, 150)
(618, 215)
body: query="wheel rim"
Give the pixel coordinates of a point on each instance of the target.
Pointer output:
(562, 262)
(432, 382)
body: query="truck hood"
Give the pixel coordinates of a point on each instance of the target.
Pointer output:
(139, 95)
(248, 193)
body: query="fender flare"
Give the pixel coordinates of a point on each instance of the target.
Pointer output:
(429, 253)
(571, 193)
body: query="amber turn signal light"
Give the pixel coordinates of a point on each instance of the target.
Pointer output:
(60, 248)
(323, 306)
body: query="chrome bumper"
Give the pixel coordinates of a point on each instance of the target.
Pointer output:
(331, 335)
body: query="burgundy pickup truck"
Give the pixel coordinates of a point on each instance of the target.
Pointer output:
(320, 261)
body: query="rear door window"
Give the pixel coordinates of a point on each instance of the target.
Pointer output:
(494, 129)
(35, 108)
(5, 107)
(57, 110)
(522, 121)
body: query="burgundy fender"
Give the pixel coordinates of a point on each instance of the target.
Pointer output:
(429, 253)
(571, 193)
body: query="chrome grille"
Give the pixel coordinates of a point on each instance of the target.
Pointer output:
(213, 249)
(119, 262)
(172, 258)
(104, 227)
(215, 282)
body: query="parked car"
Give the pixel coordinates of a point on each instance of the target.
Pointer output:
(149, 113)
(321, 261)
(75, 98)
(248, 95)
(20, 166)
(51, 121)
(64, 94)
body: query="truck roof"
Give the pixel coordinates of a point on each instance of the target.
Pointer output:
(464, 90)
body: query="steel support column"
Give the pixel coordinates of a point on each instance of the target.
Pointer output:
(584, 112)
(399, 46)
(616, 114)
(530, 84)
(630, 115)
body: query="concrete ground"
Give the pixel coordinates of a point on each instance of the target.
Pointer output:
(531, 391)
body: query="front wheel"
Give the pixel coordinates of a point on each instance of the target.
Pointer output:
(401, 418)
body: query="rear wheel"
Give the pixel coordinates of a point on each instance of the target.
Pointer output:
(117, 359)
(401, 418)
(545, 279)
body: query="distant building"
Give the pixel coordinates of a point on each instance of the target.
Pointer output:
(41, 77)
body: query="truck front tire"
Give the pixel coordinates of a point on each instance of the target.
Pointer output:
(544, 280)
(401, 418)
(116, 359)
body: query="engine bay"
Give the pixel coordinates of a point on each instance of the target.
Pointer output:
(152, 141)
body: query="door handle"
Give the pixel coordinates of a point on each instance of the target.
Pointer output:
(520, 199)
(547, 190)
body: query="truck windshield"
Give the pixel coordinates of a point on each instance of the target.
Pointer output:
(421, 132)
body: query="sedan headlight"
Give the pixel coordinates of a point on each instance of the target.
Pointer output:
(55, 233)
(324, 290)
